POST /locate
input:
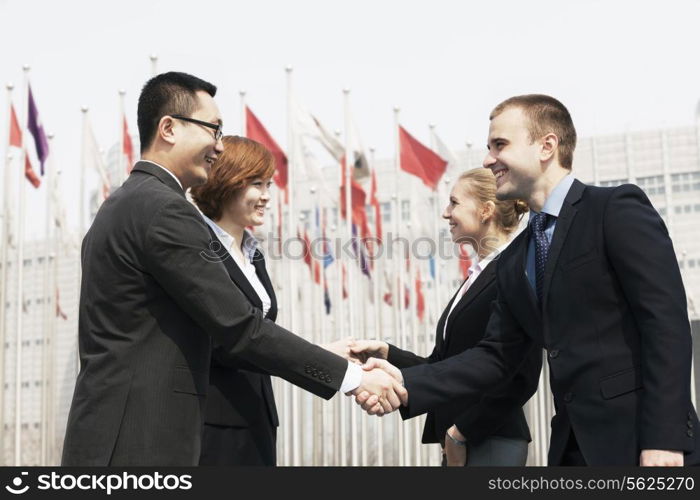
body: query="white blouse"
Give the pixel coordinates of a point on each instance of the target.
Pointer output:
(250, 244)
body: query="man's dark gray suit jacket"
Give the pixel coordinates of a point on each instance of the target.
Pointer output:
(153, 295)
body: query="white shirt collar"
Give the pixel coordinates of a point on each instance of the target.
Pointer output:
(250, 243)
(172, 174)
(480, 264)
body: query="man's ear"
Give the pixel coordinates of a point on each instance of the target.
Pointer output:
(550, 144)
(166, 130)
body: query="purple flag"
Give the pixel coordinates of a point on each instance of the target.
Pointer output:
(37, 130)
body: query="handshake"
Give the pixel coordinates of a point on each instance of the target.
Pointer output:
(381, 389)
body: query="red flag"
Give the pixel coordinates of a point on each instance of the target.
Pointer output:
(127, 147)
(317, 272)
(15, 131)
(258, 133)
(357, 202)
(307, 247)
(374, 201)
(388, 296)
(29, 172)
(314, 266)
(464, 261)
(345, 280)
(419, 160)
(420, 299)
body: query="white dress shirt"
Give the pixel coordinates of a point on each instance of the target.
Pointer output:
(474, 271)
(249, 246)
(353, 374)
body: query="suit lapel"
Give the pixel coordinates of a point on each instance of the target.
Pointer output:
(261, 271)
(482, 281)
(440, 328)
(235, 272)
(564, 221)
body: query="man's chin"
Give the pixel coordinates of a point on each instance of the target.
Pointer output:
(504, 193)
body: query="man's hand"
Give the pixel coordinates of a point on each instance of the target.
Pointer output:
(661, 458)
(365, 349)
(381, 390)
(342, 348)
(455, 454)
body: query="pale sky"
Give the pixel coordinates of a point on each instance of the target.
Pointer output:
(617, 66)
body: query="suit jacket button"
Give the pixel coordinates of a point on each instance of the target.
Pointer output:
(314, 373)
(690, 424)
(553, 353)
(568, 397)
(690, 433)
(307, 369)
(328, 379)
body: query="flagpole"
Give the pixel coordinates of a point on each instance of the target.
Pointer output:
(241, 94)
(351, 268)
(437, 260)
(378, 274)
(401, 261)
(20, 277)
(316, 312)
(341, 453)
(437, 196)
(154, 64)
(45, 378)
(5, 243)
(293, 292)
(81, 217)
(3, 288)
(51, 334)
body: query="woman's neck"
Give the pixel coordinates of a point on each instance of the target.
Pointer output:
(493, 239)
(235, 230)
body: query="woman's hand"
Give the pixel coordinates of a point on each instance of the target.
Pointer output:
(342, 348)
(365, 349)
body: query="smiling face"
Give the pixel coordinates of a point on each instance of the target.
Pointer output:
(513, 157)
(247, 207)
(196, 145)
(464, 214)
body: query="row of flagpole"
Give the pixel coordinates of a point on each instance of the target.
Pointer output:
(354, 436)
(350, 317)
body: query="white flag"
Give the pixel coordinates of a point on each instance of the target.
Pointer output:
(92, 159)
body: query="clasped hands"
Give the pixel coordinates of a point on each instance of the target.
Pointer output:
(381, 390)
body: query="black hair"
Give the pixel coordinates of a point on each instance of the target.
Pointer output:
(171, 93)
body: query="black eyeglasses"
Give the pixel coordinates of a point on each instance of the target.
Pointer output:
(216, 127)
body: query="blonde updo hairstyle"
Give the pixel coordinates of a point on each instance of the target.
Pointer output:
(481, 184)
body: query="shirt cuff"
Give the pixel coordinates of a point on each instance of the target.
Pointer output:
(352, 379)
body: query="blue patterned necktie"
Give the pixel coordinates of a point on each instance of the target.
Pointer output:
(538, 225)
